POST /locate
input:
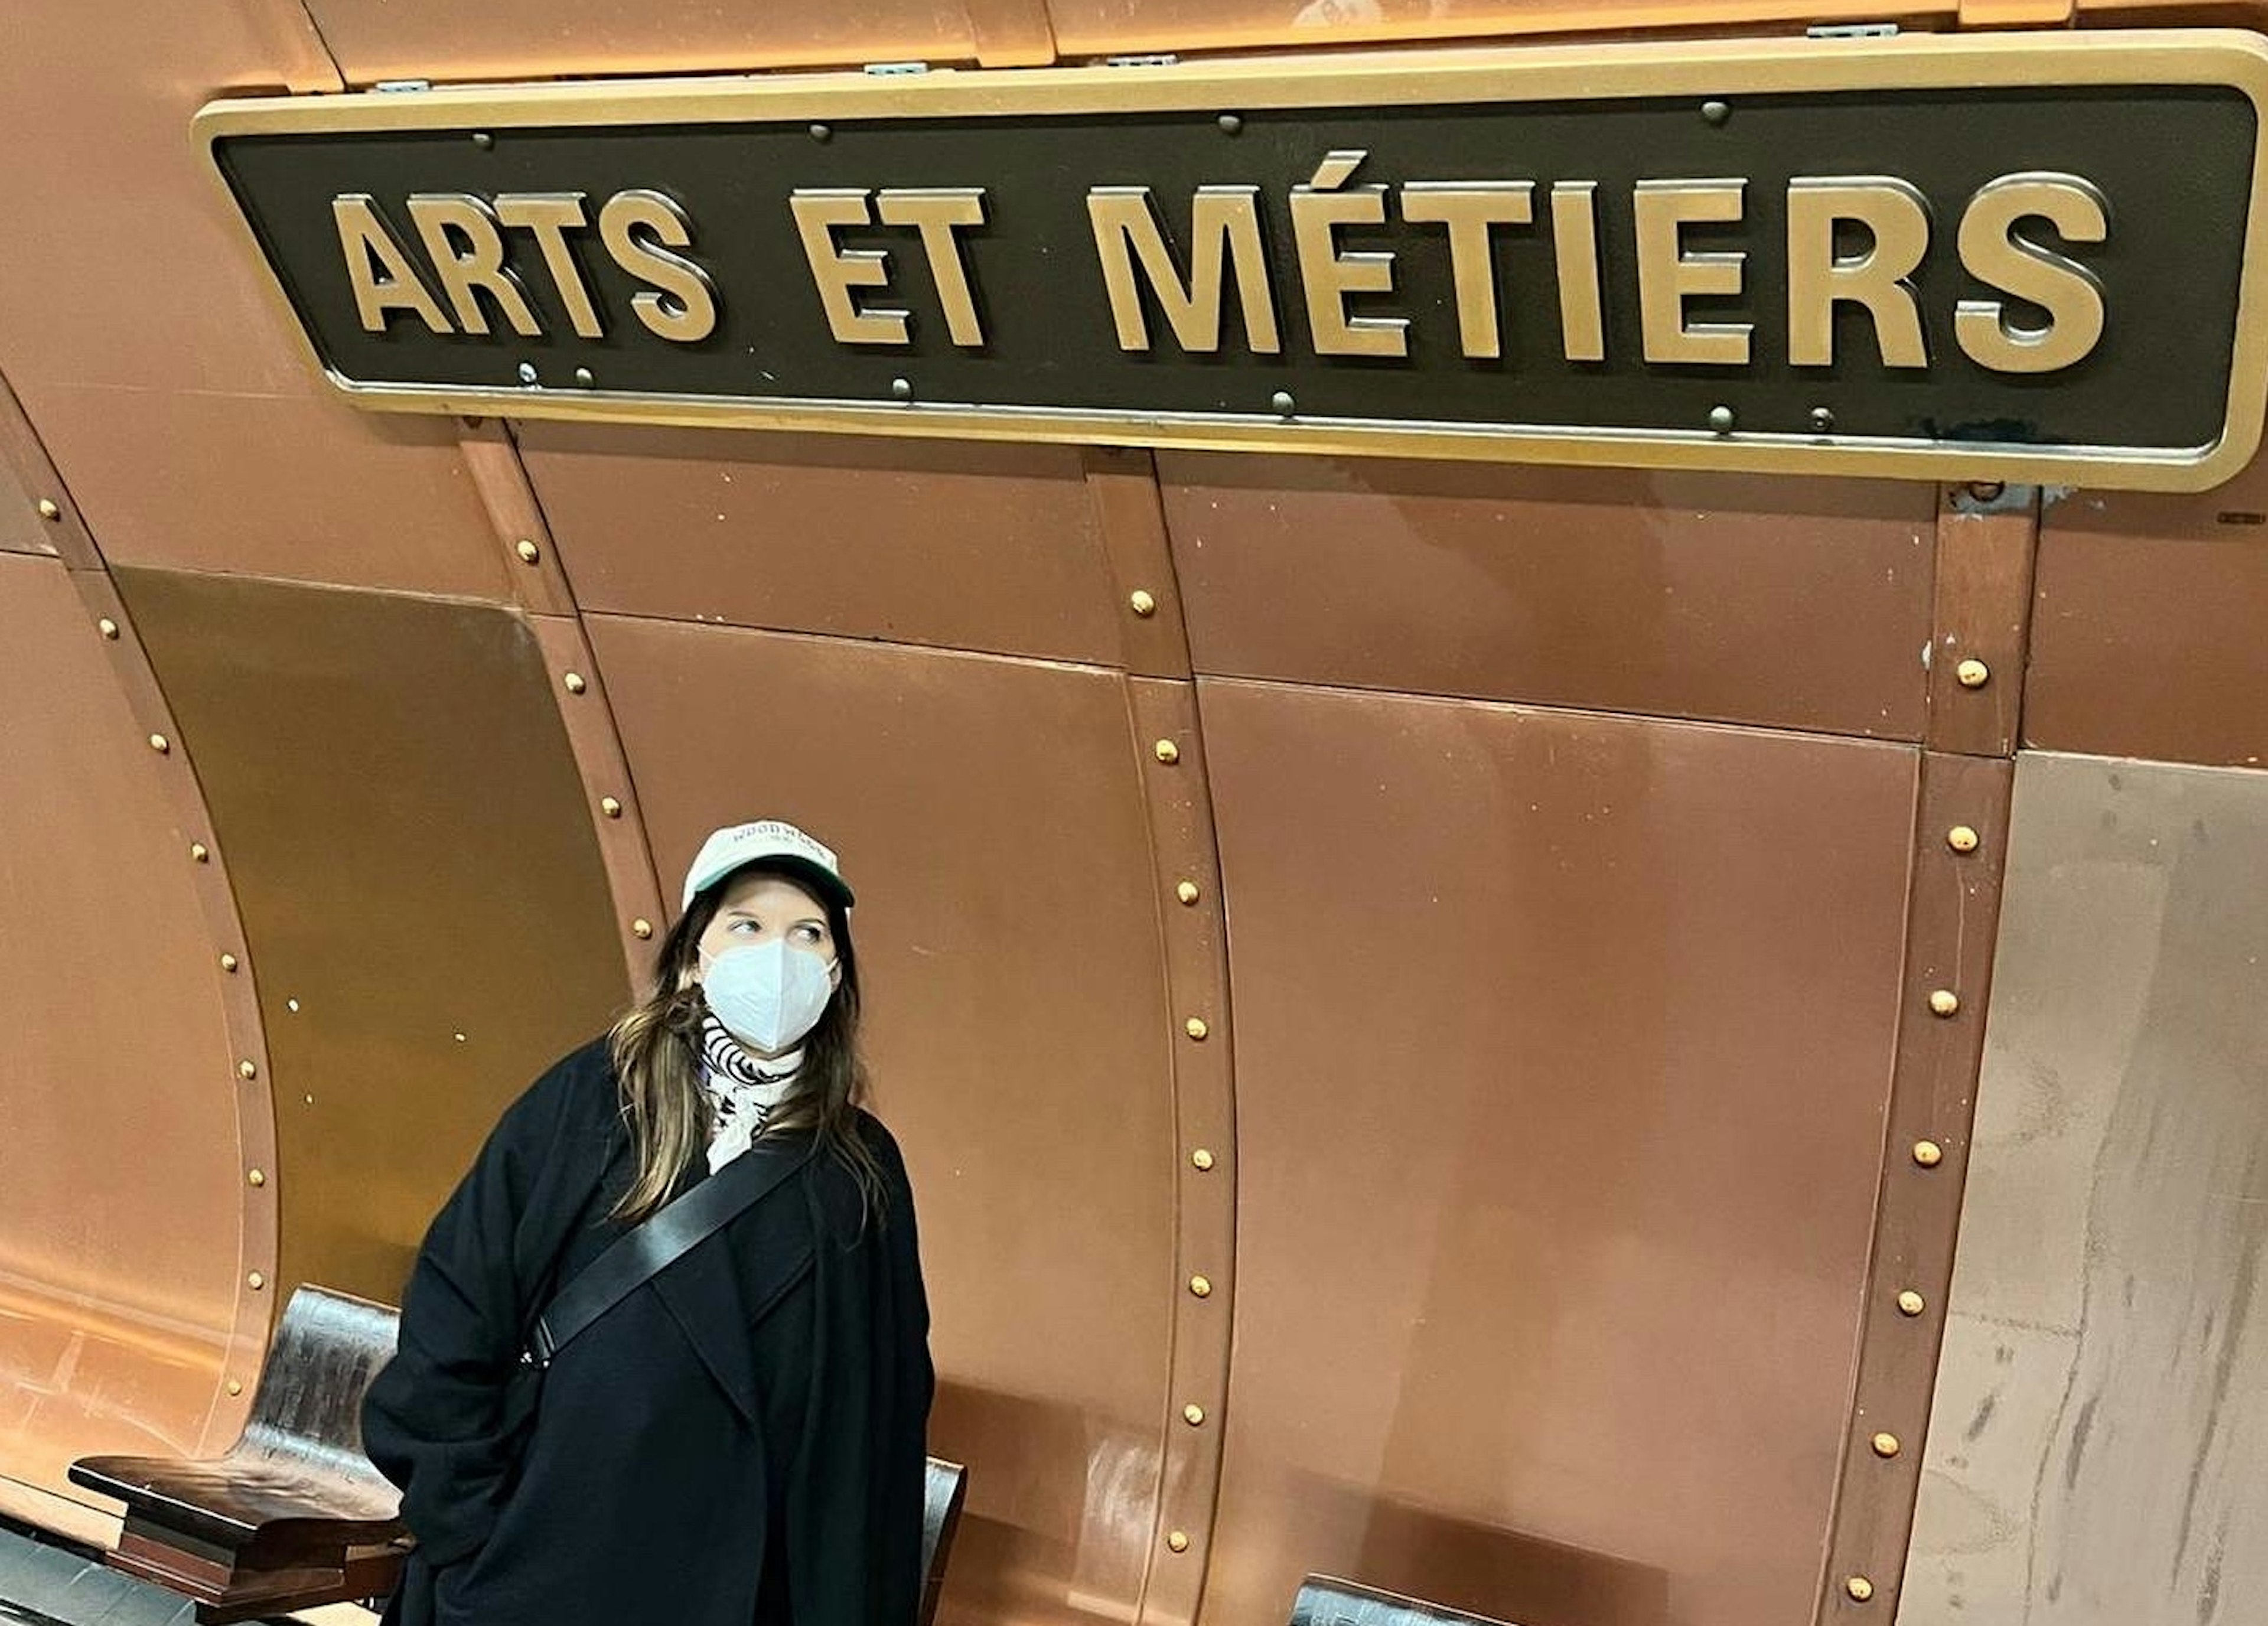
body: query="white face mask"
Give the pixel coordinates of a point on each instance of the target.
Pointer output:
(767, 995)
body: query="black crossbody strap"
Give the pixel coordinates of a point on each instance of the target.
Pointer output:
(642, 1253)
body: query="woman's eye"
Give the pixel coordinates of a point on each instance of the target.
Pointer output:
(807, 934)
(744, 925)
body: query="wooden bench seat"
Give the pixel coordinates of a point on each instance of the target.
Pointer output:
(293, 1515)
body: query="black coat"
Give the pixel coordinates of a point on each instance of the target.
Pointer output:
(740, 1440)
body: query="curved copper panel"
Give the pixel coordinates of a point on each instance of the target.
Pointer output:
(376, 39)
(2102, 1397)
(2146, 635)
(1563, 1043)
(1119, 25)
(988, 814)
(1800, 603)
(421, 892)
(969, 545)
(121, 1192)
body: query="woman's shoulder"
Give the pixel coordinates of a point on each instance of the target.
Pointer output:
(878, 1138)
(577, 1090)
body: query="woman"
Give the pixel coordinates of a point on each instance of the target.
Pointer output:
(740, 1438)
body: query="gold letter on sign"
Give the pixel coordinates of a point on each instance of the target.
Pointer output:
(817, 210)
(384, 280)
(550, 215)
(1223, 227)
(936, 211)
(1328, 275)
(1992, 253)
(684, 309)
(1468, 209)
(465, 246)
(1897, 217)
(1667, 275)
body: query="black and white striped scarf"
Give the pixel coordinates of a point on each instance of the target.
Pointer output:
(743, 1089)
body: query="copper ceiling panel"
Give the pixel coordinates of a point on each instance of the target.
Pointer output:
(989, 813)
(969, 545)
(1802, 603)
(422, 901)
(2146, 634)
(1562, 1048)
(275, 486)
(22, 529)
(2103, 1394)
(440, 41)
(1121, 26)
(122, 1191)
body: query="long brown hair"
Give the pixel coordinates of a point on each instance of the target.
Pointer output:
(656, 1054)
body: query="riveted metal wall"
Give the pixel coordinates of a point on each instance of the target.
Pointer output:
(2102, 1399)
(422, 898)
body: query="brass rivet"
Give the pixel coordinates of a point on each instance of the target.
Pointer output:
(1188, 892)
(1943, 1002)
(1960, 838)
(609, 807)
(247, 1069)
(235, 1386)
(1194, 1416)
(108, 627)
(574, 682)
(1141, 603)
(1178, 1540)
(1202, 1286)
(528, 552)
(257, 1178)
(1886, 1446)
(1201, 1157)
(1168, 752)
(49, 510)
(228, 962)
(161, 743)
(257, 1281)
(1973, 674)
(641, 928)
(1910, 1303)
(198, 852)
(1859, 1588)
(1928, 1153)
(1195, 1027)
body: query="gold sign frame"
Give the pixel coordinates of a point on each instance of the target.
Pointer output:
(2225, 58)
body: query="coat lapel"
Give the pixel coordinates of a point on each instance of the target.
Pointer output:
(706, 1295)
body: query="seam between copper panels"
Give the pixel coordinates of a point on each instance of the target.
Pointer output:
(539, 584)
(250, 1085)
(1011, 33)
(1169, 744)
(308, 62)
(1952, 914)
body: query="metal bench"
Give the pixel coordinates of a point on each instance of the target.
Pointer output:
(293, 1515)
(1326, 1601)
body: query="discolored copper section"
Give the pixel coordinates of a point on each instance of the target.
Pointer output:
(1563, 1043)
(2102, 1397)
(376, 39)
(122, 1208)
(417, 877)
(988, 813)
(976, 546)
(1800, 603)
(1952, 922)
(2146, 638)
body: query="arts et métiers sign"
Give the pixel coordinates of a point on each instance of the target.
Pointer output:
(2025, 257)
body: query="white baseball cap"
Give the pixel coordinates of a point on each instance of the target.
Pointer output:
(771, 841)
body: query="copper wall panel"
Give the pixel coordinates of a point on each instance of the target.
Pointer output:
(1987, 537)
(965, 544)
(1802, 603)
(2102, 1397)
(421, 895)
(145, 339)
(1124, 25)
(990, 815)
(1563, 1046)
(2146, 638)
(121, 1194)
(435, 40)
